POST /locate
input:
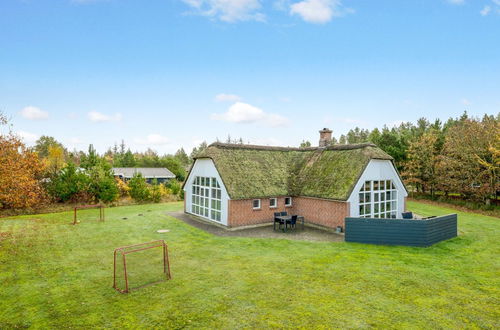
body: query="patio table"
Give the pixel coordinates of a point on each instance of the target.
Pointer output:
(286, 218)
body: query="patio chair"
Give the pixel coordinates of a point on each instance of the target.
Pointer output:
(292, 222)
(276, 220)
(407, 215)
(285, 213)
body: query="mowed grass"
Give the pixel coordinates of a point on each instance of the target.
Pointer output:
(55, 275)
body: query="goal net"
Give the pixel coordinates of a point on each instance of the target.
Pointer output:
(88, 212)
(140, 265)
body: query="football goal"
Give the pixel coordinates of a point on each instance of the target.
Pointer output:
(86, 213)
(140, 265)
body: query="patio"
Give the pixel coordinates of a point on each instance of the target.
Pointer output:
(265, 231)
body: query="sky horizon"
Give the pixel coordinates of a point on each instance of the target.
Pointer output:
(166, 74)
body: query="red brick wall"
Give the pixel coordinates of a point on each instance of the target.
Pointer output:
(322, 212)
(318, 211)
(241, 212)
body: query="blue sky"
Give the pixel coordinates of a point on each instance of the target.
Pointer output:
(171, 73)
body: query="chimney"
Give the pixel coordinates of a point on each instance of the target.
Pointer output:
(325, 137)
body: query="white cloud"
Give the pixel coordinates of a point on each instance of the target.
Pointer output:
(227, 98)
(27, 137)
(153, 139)
(485, 11)
(34, 113)
(245, 113)
(319, 11)
(456, 2)
(465, 102)
(100, 117)
(228, 10)
(497, 2)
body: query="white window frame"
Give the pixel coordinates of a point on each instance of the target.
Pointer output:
(379, 200)
(253, 204)
(275, 203)
(290, 204)
(206, 198)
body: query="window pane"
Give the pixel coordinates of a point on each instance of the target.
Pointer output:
(375, 197)
(368, 209)
(382, 185)
(367, 186)
(361, 209)
(362, 198)
(368, 197)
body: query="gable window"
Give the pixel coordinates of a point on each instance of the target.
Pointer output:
(206, 198)
(288, 201)
(378, 199)
(273, 203)
(256, 204)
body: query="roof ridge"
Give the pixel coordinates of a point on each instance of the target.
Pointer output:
(278, 148)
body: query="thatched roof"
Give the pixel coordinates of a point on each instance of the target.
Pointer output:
(250, 171)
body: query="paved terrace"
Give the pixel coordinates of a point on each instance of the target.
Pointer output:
(299, 234)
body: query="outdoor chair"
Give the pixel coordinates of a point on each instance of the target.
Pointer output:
(276, 220)
(283, 213)
(292, 222)
(407, 215)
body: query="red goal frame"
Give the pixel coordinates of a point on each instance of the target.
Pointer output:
(124, 250)
(93, 206)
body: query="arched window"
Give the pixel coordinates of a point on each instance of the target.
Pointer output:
(206, 198)
(378, 199)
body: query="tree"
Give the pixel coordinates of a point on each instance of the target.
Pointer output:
(54, 161)
(421, 165)
(198, 150)
(69, 184)
(138, 188)
(44, 143)
(305, 144)
(20, 172)
(183, 158)
(102, 184)
(91, 159)
(468, 164)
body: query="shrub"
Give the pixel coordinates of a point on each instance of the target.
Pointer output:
(155, 192)
(139, 190)
(174, 186)
(68, 184)
(102, 185)
(123, 188)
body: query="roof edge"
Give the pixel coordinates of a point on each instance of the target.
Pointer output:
(278, 148)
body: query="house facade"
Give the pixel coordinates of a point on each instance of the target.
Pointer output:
(161, 174)
(239, 185)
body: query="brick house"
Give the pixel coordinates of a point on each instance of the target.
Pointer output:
(239, 185)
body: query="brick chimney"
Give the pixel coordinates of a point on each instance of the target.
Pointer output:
(325, 137)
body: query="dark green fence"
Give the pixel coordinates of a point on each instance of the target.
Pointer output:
(401, 232)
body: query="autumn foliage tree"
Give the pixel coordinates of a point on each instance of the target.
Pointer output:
(20, 172)
(420, 169)
(469, 162)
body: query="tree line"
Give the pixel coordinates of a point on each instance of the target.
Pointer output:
(458, 157)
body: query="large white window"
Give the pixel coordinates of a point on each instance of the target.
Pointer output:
(378, 199)
(206, 198)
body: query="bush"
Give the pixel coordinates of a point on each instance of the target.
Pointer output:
(102, 185)
(139, 189)
(123, 188)
(68, 184)
(155, 192)
(174, 186)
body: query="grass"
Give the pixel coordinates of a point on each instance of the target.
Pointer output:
(55, 275)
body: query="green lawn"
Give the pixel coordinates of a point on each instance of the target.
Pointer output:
(53, 274)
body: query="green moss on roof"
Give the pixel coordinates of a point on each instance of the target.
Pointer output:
(258, 171)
